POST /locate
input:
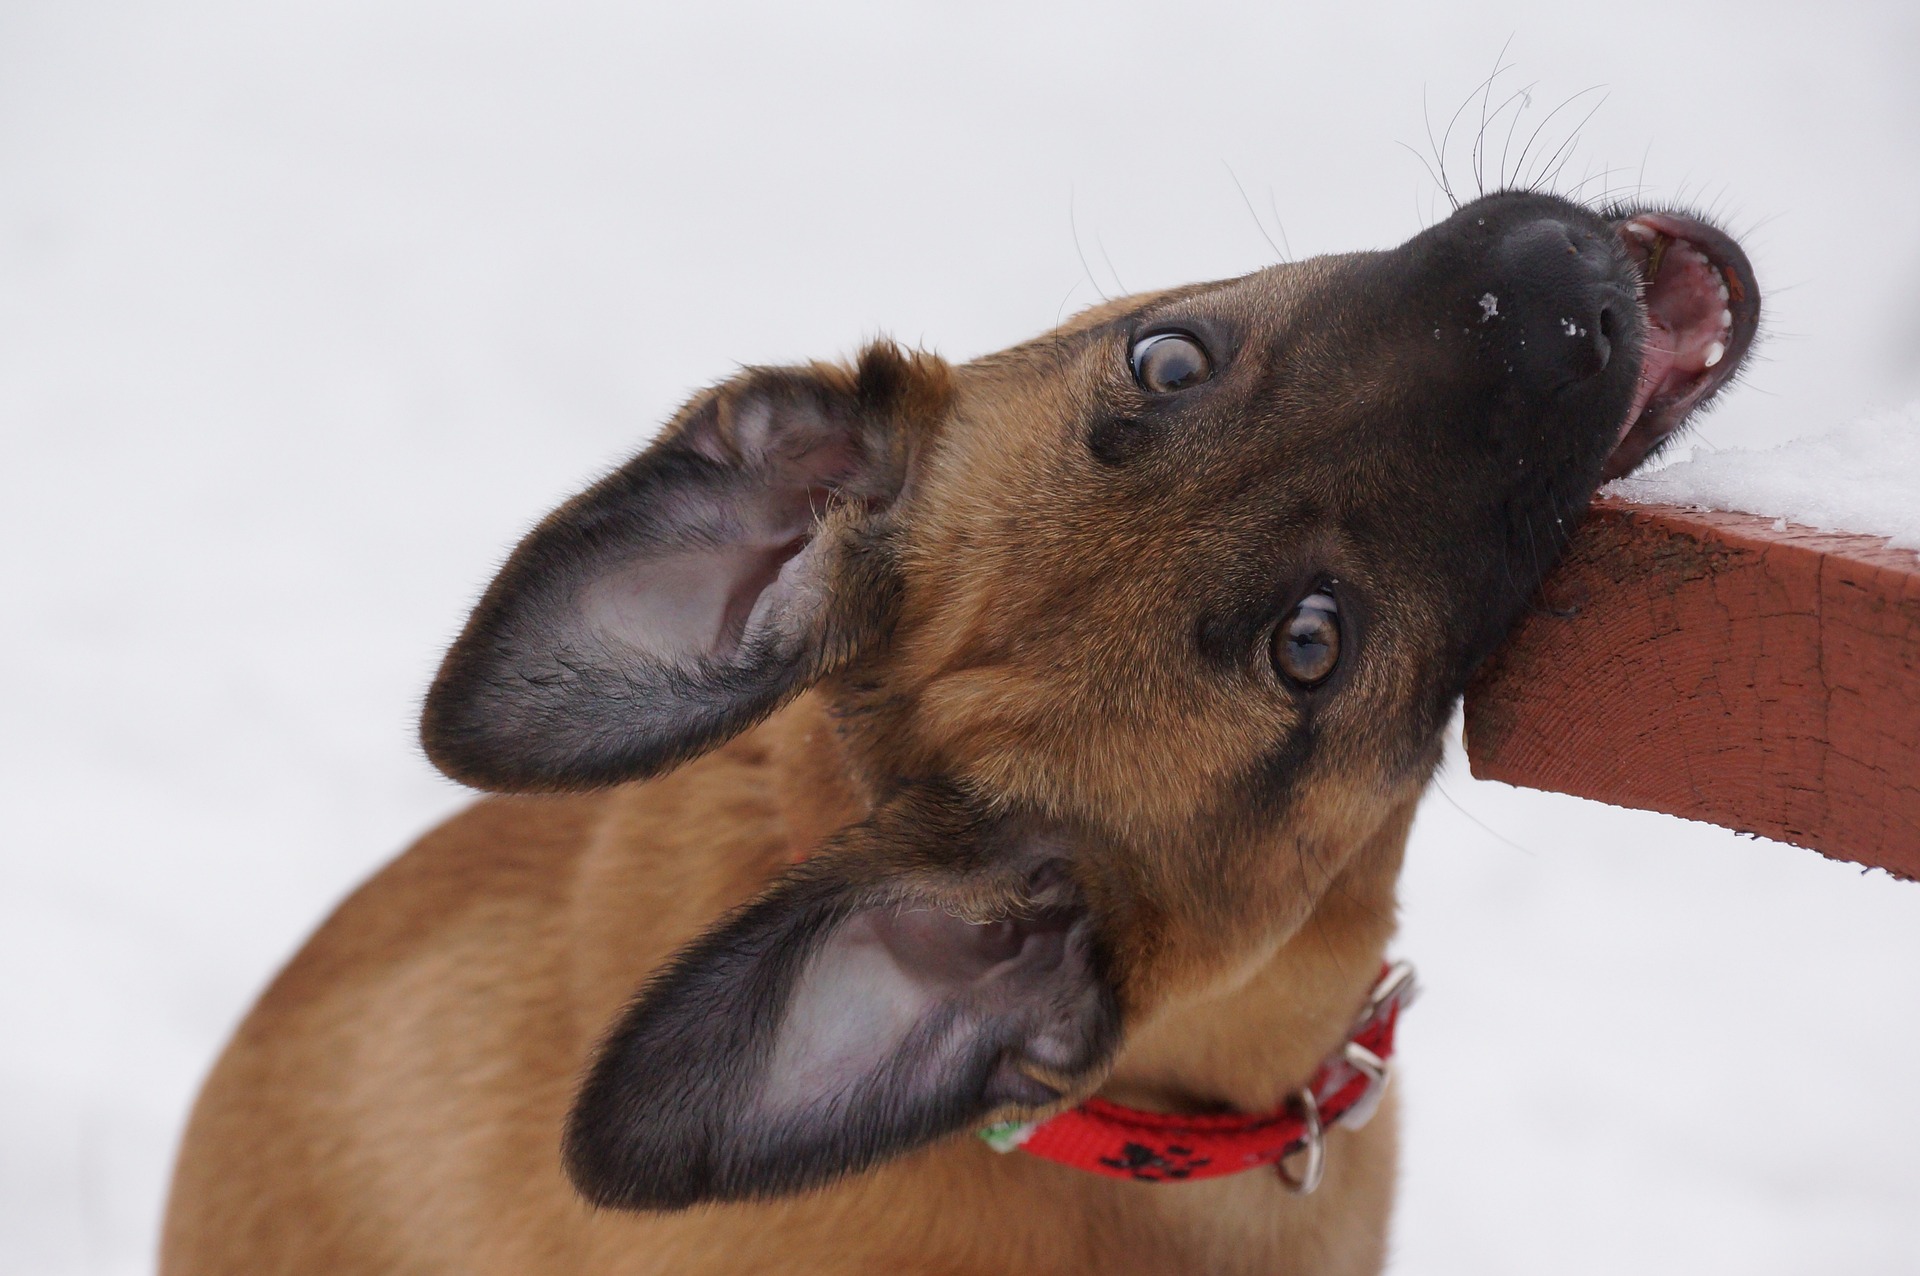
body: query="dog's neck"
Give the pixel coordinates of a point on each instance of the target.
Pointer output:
(1244, 1048)
(1247, 1047)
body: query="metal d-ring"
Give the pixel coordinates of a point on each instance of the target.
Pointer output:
(1315, 1148)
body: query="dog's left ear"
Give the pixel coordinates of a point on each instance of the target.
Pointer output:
(930, 969)
(689, 593)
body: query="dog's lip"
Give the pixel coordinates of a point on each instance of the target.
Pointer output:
(1701, 307)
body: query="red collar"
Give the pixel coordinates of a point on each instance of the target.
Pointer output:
(1157, 1147)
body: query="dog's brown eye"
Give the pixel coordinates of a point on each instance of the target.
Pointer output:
(1306, 647)
(1169, 361)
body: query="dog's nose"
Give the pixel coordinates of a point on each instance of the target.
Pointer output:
(1563, 305)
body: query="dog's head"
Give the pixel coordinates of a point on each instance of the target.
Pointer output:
(1132, 634)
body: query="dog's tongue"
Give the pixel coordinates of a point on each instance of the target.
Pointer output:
(1689, 322)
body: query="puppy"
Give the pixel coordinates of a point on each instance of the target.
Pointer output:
(896, 751)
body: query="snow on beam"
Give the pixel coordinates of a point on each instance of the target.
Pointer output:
(1722, 667)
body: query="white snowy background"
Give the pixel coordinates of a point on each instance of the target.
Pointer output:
(307, 310)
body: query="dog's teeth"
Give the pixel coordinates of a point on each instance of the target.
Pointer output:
(1642, 231)
(1726, 319)
(1714, 353)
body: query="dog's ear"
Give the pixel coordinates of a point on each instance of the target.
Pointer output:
(692, 591)
(927, 971)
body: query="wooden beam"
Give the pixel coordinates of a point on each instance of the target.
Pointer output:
(1723, 668)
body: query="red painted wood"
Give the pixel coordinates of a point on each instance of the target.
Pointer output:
(1710, 666)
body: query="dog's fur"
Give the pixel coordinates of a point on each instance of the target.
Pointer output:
(909, 736)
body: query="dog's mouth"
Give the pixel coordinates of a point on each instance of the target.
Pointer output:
(1702, 309)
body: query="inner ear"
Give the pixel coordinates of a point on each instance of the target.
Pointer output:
(695, 601)
(858, 1010)
(925, 988)
(693, 590)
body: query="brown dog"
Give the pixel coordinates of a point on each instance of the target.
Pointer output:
(931, 746)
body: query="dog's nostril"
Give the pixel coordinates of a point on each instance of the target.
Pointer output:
(1605, 327)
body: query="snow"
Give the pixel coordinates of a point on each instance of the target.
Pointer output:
(311, 309)
(1861, 477)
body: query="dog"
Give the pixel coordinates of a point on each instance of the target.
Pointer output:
(895, 751)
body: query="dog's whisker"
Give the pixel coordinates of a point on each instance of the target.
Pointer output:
(1279, 225)
(1521, 164)
(1440, 787)
(1439, 166)
(1073, 224)
(1558, 159)
(1486, 93)
(1257, 223)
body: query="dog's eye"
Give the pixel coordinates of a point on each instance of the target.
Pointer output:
(1306, 646)
(1169, 361)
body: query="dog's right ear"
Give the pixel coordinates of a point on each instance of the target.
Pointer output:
(932, 968)
(691, 592)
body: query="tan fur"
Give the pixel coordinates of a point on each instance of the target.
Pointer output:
(392, 1103)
